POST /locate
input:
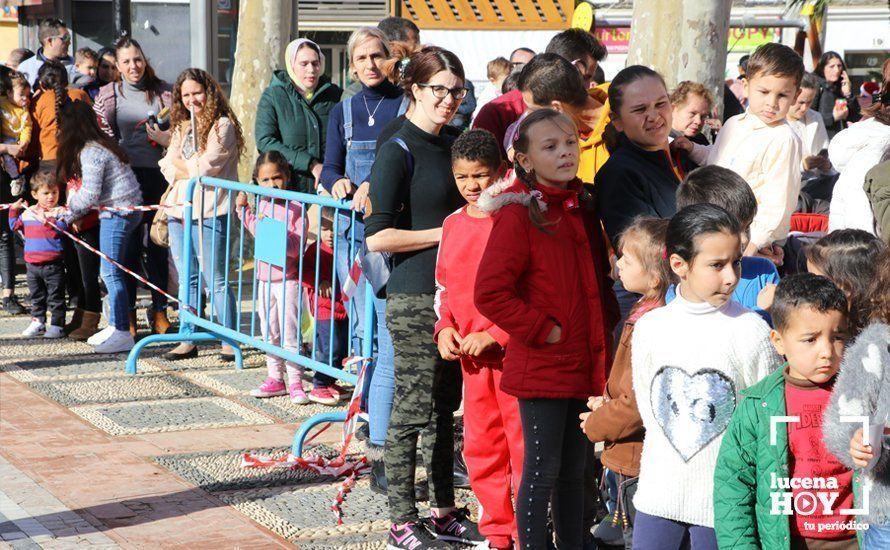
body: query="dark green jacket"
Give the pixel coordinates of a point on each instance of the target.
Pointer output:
(877, 187)
(286, 122)
(742, 490)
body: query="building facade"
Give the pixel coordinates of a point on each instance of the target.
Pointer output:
(177, 33)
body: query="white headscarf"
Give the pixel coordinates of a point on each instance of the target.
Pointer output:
(290, 58)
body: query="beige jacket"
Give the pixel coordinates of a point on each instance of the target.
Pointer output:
(219, 160)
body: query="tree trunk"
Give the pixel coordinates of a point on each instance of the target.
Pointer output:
(705, 31)
(264, 29)
(653, 33)
(699, 54)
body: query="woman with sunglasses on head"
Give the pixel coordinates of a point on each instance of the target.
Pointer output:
(412, 192)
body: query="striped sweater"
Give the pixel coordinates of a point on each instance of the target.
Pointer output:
(43, 245)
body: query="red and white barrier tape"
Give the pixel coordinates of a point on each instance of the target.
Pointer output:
(336, 467)
(140, 208)
(106, 258)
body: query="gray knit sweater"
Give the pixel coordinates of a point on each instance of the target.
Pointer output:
(863, 388)
(106, 182)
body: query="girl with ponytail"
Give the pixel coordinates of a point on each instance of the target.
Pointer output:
(543, 279)
(52, 95)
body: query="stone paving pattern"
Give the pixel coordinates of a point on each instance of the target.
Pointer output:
(66, 483)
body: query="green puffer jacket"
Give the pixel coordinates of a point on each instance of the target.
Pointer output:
(286, 122)
(742, 516)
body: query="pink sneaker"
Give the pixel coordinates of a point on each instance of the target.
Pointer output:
(270, 388)
(323, 396)
(298, 394)
(338, 392)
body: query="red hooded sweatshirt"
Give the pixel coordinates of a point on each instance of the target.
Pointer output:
(531, 280)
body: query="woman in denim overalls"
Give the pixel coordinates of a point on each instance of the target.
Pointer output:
(353, 129)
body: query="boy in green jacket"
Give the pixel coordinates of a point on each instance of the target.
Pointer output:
(776, 485)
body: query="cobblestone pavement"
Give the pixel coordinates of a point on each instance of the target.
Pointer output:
(82, 446)
(90, 456)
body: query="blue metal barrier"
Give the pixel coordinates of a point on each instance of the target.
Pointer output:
(274, 243)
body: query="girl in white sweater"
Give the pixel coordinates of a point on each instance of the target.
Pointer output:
(690, 359)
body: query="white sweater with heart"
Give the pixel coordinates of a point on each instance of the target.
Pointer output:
(689, 362)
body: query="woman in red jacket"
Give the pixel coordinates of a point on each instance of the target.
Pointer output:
(542, 279)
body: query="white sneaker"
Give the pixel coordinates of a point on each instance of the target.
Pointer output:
(119, 341)
(100, 336)
(36, 328)
(53, 331)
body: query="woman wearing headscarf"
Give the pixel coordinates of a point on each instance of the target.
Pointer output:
(292, 116)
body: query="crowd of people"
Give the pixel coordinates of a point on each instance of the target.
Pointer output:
(607, 261)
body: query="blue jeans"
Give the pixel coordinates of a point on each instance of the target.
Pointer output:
(213, 265)
(876, 537)
(382, 380)
(114, 240)
(324, 352)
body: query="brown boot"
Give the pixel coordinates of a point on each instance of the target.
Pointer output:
(76, 321)
(159, 323)
(88, 326)
(133, 323)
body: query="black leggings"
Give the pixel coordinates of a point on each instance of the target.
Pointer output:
(7, 238)
(553, 473)
(88, 262)
(143, 254)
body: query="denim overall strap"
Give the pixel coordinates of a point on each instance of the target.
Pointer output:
(347, 121)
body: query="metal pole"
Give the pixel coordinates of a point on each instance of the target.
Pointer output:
(120, 15)
(201, 30)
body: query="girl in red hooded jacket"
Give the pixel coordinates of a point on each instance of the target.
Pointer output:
(543, 280)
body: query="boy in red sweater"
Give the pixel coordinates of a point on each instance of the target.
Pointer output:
(492, 428)
(778, 484)
(43, 254)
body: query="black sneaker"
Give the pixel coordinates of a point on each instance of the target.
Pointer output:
(457, 527)
(413, 536)
(12, 306)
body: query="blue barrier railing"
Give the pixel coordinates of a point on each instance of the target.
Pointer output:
(276, 236)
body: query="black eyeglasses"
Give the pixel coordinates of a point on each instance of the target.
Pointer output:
(63, 37)
(441, 91)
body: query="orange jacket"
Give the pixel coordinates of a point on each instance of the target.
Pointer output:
(43, 114)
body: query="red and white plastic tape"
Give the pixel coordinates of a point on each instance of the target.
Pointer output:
(337, 467)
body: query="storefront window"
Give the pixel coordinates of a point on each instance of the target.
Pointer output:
(163, 32)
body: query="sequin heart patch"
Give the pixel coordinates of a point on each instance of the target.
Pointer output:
(693, 409)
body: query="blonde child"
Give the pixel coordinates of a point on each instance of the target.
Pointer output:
(86, 63)
(614, 417)
(542, 280)
(277, 290)
(498, 69)
(690, 359)
(16, 124)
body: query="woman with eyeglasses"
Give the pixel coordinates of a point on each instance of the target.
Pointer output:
(412, 192)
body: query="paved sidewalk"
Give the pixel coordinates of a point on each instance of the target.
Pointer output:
(30, 517)
(65, 483)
